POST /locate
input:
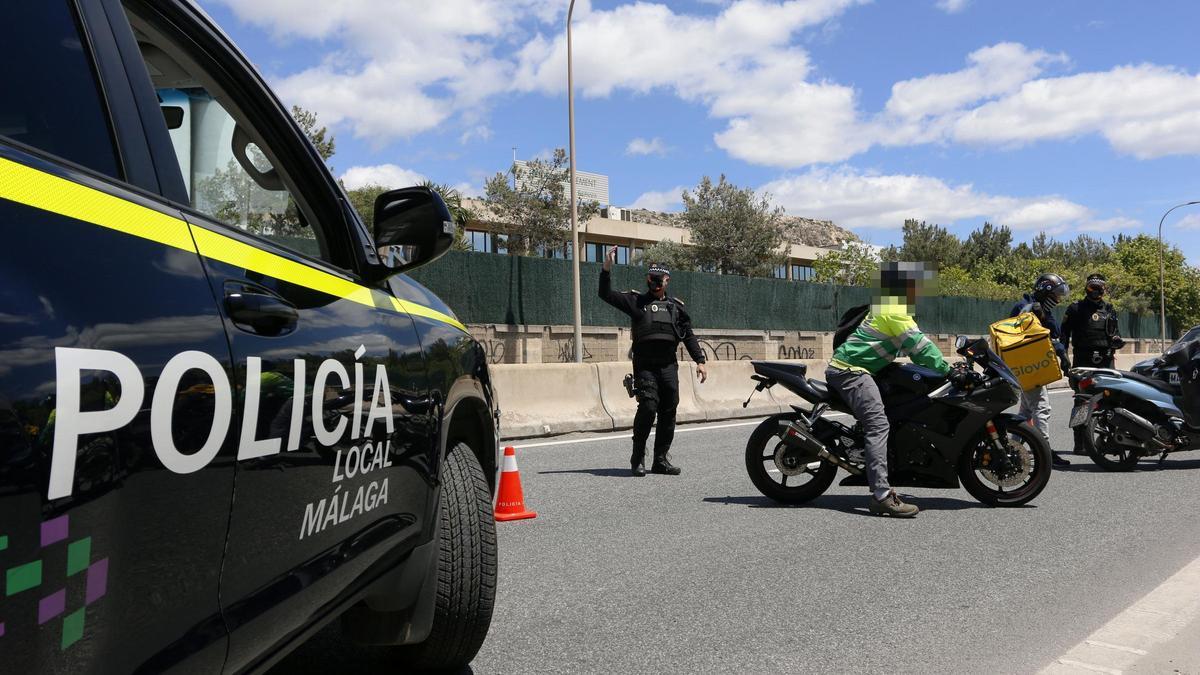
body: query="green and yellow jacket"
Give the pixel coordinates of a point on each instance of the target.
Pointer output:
(887, 333)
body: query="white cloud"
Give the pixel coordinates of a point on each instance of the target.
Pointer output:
(952, 6)
(858, 199)
(1116, 224)
(666, 200)
(387, 175)
(740, 63)
(1189, 222)
(641, 146)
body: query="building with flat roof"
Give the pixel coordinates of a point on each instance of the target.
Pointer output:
(632, 230)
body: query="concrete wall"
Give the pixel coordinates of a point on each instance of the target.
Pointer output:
(559, 398)
(603, 344)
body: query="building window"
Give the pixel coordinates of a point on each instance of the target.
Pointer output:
(802, 273)
(480, 241)
(638, 257)
(780, 272)
(594, 252)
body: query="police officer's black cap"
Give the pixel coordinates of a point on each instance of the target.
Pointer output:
(657, 270)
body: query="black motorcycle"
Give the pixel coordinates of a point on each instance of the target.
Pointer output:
(1128, 416)
(942, 432)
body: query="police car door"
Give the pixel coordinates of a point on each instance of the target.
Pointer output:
(330, 375)
(115, 472)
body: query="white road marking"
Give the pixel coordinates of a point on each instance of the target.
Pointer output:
(1155, 619)
(1131, 650)
(613, 437)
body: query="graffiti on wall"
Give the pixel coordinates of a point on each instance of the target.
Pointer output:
(786, 352)
(495, 350)
(566, 351)
(720, 351)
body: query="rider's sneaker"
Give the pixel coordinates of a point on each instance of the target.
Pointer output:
(892, 506)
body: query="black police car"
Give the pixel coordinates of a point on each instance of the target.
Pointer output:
(227, 417)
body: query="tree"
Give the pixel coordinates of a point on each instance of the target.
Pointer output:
(230, 195)
(987, 243)
(734, 230)
(363, 201)
(674, 255)
(1137, 258)
(926, 242)
(531, 206)
(856, 264)
(320, 137)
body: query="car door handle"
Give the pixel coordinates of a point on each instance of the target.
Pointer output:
(261, 313)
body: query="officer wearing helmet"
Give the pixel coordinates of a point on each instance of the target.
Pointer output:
(1089, 330)
(1048, 291)
(659, 323)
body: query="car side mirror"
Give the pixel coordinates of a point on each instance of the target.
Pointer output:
(413, 227)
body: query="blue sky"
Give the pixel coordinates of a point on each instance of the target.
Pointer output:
(1069, 116)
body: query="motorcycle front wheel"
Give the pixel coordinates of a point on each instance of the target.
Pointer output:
(774, 471)
(1029, 452)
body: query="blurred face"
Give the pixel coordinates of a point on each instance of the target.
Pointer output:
(657, 282)
(900, 284)
(1095, 289)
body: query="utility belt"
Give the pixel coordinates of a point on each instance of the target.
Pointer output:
(1093, 357)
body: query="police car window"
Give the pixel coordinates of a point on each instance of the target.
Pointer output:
(229, 175)
(51, 98)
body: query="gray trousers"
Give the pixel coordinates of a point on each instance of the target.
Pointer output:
(861, 394)
(1035, 406)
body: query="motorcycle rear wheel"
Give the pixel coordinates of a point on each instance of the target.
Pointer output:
(760, 460)
(1109, 458)
(994, 495)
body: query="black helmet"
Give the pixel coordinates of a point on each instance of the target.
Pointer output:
(1096, 287)
(1050, 289)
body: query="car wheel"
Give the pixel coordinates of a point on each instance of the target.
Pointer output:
(466, 579)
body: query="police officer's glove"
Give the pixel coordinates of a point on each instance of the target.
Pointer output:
(1117, 342)
(1064, 362)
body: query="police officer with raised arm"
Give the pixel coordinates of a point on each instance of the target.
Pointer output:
(1089, 330)
(659, 323)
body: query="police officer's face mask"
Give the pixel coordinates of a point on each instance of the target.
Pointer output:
(1095, 292)
(655, 282)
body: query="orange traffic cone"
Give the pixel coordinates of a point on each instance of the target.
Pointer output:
(510, 505)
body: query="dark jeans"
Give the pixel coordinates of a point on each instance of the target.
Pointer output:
(658, 395)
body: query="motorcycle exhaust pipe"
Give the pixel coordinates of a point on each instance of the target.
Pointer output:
(1141, 428)
(799, 437)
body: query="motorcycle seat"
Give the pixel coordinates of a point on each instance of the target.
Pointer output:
(821, 390)
(1165, 387)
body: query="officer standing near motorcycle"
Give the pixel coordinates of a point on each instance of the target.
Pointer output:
(1089, 330)
(1049, 290)
(659, 323)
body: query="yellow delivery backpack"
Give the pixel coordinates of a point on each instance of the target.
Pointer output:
(1023, 343)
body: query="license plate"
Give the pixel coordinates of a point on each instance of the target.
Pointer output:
(1173, 378)
(1080, 415)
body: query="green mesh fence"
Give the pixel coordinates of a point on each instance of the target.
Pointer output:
(488, 288)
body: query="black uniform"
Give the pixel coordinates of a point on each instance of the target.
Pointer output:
(1089, 329)
(658, 328)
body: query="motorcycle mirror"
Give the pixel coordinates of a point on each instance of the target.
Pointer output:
(960, 342)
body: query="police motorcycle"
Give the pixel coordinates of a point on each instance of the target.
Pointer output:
(1158, 368)
(945, 430)
(1128, 416)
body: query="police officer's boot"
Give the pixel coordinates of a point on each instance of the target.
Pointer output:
(664, 466)
(638, 462)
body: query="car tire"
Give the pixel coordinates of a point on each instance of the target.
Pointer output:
(466, 578)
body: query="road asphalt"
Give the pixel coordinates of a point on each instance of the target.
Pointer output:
(700, 573)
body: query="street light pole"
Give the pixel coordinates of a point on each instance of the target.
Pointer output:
(1162, 277)
(574, 204)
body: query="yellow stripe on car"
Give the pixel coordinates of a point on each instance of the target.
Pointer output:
(40, 190)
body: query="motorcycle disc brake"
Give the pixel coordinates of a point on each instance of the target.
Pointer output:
(791, 462)
(1015, 476)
